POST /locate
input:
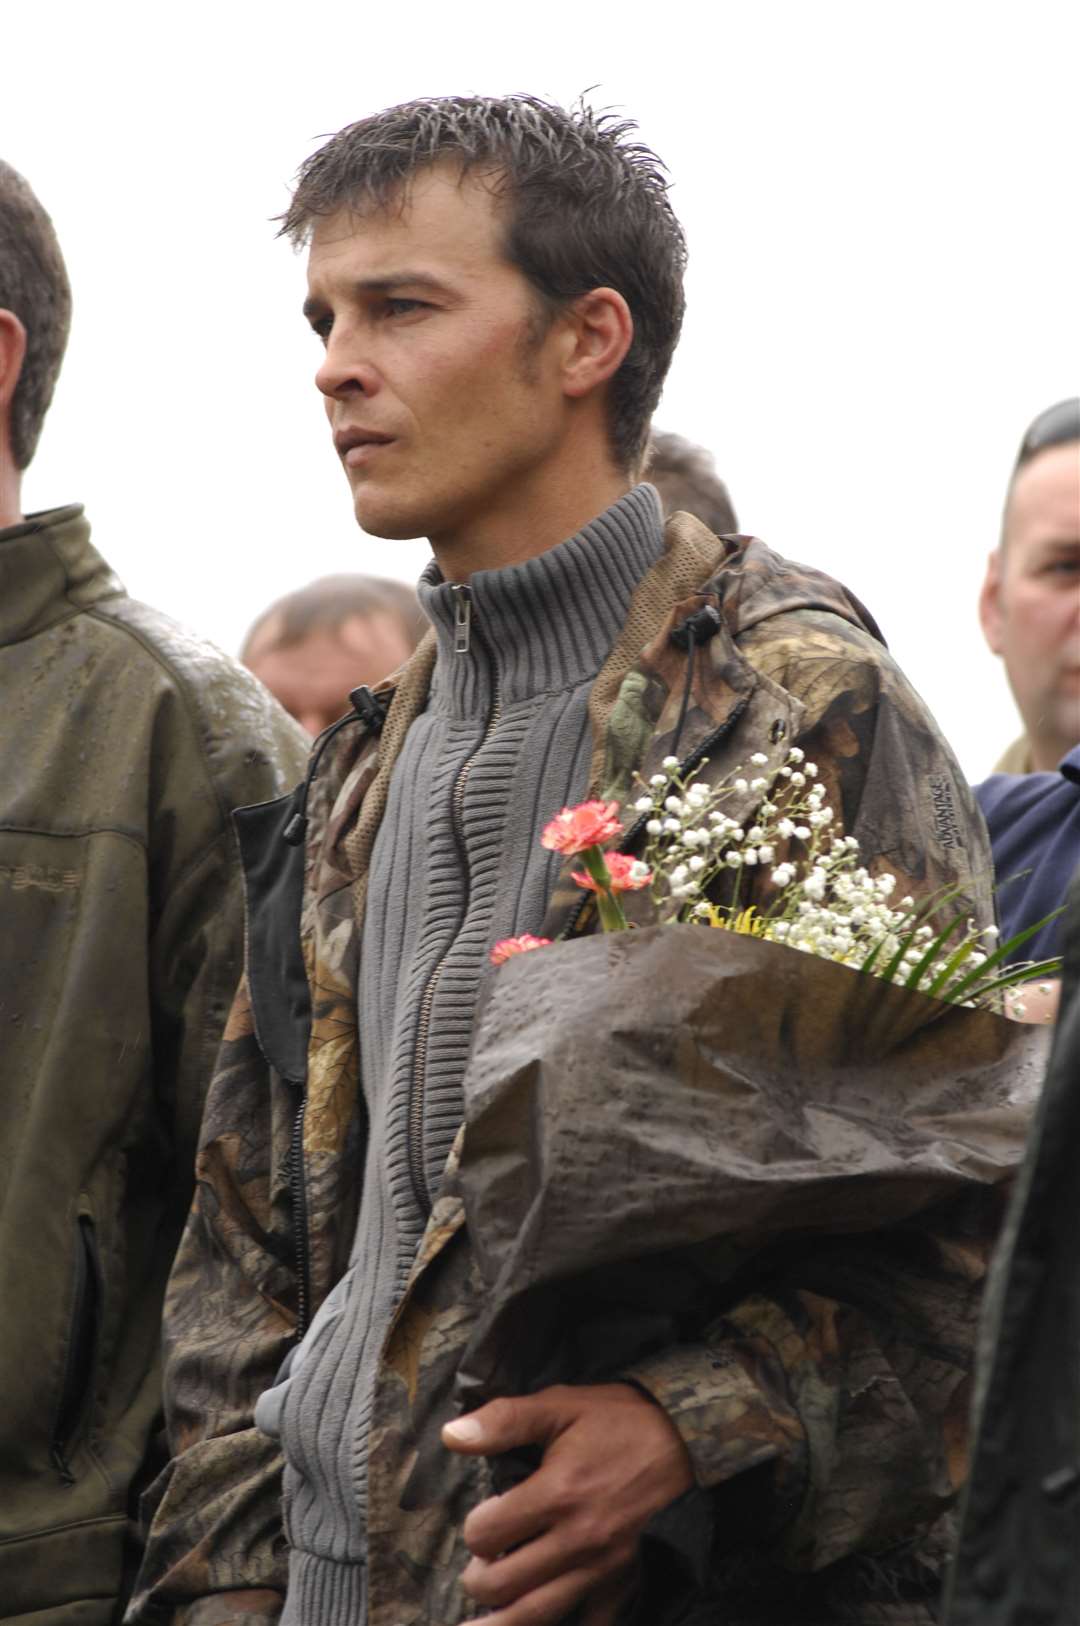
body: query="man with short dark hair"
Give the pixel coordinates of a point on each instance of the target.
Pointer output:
(1030, 599)
(125, 743)
(497, 286)
(314, 646)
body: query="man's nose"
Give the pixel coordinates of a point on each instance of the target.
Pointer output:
(345, 370)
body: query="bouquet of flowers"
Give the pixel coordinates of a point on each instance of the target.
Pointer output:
(651, 1113)
(824, 902)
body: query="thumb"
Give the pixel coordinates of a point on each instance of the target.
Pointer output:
(503, 1424)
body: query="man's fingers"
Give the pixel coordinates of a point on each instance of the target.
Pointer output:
(548, 1606)
(502, 1425)
(501, 1580)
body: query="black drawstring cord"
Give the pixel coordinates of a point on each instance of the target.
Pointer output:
(697, 628)
(370, 711)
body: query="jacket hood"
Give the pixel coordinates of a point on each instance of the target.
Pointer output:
(754, 584)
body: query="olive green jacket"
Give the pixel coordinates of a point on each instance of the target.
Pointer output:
(845, 1425)
(125, 744)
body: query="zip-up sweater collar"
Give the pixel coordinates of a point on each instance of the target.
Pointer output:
(548, 623)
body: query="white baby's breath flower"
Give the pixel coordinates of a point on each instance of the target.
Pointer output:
(639, 872)
(749, 855)
(679, 874)
(732, 858)
(697, 864)
(781, 929)
(670, 762)
(990, 931)
(758, 784)
(768, 808)
(643, 804)
(810, 770)
(698, 793)
(672, 826)
(674, 804)
(795, 755)
(907, 903)
(782, 874)
(814, 885)
(755, 833)
(735, 832)
(785, 828)
(741, 785)
(654, 827)
(766, 853)
(801, 832)
(658, 779)
(886, 885)
(785, 773)
(798, 779)
(759, 759)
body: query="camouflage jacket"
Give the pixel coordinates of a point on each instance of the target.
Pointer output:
(817, 1395)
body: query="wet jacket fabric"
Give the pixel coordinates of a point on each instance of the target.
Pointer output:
(125, 743)
(795, 660)
(1018, 1560)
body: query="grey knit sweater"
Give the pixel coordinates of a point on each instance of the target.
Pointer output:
(503, 743)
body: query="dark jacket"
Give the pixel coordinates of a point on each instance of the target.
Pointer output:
(125, 744)
(794, 660)
(1019, 1556)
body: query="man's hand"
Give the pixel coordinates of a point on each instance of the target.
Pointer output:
(570, 1531)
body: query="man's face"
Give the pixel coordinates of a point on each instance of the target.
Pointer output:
(314, 677)
(442, 387)
(1030, 604)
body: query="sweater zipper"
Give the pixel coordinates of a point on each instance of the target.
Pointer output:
(463, 635)
(298, 1192)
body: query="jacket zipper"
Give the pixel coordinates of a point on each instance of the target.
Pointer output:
(630, 837)
(463, 633)
(298, 1191)
(78, 1380)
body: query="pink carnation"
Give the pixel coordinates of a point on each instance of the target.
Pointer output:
(587, 825)
(507, 947)
(625, 874)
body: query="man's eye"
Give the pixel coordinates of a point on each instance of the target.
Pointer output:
(402, 307)
(321, 328)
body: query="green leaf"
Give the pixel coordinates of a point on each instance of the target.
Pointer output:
(1015, 976)
(999, 955)
(937, 944)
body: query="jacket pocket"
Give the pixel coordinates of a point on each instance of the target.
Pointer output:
(76, 1386)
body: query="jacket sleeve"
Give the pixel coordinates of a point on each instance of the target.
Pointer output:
(845, 1379)
(215, 1546)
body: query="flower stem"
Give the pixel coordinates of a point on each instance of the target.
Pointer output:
(608, 906)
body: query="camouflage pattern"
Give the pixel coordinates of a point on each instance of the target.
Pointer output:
(795, 661)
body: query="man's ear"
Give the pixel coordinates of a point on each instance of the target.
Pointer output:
(12, 352)
(603, 331)
(990, 611)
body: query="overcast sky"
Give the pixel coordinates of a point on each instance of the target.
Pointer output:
(880, 201)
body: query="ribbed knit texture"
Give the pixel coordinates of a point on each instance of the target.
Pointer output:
(503, 743)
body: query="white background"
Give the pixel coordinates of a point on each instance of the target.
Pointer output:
(880, 201)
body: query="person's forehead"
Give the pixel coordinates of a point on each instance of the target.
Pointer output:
(442, 216)
(1046, 492)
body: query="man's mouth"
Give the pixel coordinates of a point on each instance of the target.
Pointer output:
(355, 446)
